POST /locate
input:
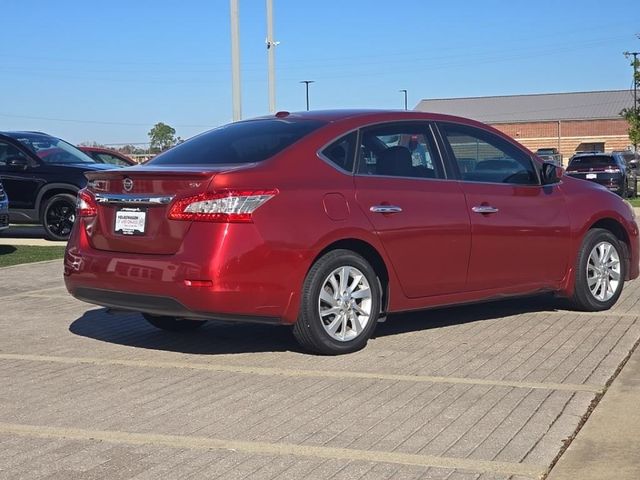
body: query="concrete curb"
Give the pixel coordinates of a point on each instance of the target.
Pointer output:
(607, 445)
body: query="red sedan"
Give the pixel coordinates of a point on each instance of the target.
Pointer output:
(106, 155)
(329, 221)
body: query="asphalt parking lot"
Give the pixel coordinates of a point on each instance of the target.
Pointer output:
(477, 392)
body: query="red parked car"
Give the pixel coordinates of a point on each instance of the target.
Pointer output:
(106, 155)
(328, 221)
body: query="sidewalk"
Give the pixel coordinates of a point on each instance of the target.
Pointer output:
(26, 235)
(608, 446)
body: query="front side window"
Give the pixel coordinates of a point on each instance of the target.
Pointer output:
(238, 143)
(399, 150)
(484, 157)
(8, 152)
(342, 152)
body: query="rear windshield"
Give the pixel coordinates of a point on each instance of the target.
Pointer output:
(592, 161)
(242, 142)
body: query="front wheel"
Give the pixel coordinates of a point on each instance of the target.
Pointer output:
(58, 216)
(340, 304)
(600, 271)
(173, 324)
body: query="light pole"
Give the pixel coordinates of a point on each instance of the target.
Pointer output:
(271, 52)
(306, 85)
(235, 61)
(405, 98)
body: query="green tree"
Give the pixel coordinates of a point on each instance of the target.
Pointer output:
(161, 137)
(91, 143)
(632, 115)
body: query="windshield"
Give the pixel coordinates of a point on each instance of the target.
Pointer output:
(51, 149)
(242, 142)
(591, 161)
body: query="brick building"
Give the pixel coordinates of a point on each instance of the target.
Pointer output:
(570, 122)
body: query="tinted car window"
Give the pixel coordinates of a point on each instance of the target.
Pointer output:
(399, 150)
(241, 142)
(8, 151)
(107, 158)
(342, 151)
(589, 161)
(50, 149)
(484, 157)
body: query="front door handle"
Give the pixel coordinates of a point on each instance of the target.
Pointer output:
(385, 209)
(484, 209)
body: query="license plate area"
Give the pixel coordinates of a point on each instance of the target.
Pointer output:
(130, 221)
(591, 176)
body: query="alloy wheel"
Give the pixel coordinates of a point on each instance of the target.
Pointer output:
(603, 271)
(345, 303)
(59, 218)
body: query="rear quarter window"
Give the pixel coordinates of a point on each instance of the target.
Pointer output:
(238, 143)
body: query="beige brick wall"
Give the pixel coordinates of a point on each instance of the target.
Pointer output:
(568, 135)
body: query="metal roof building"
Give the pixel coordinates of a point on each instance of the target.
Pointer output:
(534, 108)
(568, 121)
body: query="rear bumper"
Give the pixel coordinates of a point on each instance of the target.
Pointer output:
(156, 305)
(240, 282)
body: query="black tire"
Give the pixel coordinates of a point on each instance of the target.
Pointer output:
(582, 298)
(173, 324)
(310, 330)
(58, 215)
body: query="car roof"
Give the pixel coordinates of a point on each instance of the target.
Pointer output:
(365, 114)
(25, 132)
(97, 149)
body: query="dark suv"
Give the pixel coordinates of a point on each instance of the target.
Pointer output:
(42, 175)
(608, 169)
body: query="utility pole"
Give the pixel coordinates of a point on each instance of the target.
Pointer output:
(635, 77)
(405, 98)
(306, 83)
(271, 53)
(235, 61)
(636, 80)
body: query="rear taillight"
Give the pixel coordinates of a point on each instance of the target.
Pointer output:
(226, 206)
(86, 205)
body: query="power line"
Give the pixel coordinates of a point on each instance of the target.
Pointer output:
(96, 122)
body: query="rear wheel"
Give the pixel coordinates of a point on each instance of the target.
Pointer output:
(58, 216)
(340, 304)
(600, 271)
(173, 324)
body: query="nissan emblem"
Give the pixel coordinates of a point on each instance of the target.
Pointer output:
(127, 184)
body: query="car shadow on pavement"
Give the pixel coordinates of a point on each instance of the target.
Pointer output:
(214, 338)
(217, 338)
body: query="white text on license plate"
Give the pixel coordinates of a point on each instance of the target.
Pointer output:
(591, 176)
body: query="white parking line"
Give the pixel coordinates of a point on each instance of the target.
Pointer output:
(273, 371)
(266, 448)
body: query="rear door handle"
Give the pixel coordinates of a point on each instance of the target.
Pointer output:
(484, 209)
(385, 209)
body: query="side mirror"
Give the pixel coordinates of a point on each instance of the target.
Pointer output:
(17, 163)
(551, 173)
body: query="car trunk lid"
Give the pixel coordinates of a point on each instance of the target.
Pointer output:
(133, 203)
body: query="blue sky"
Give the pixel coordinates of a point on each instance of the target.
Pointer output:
(89, 70)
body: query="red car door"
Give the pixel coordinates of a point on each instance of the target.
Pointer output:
(520, 229)
(420, 217)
